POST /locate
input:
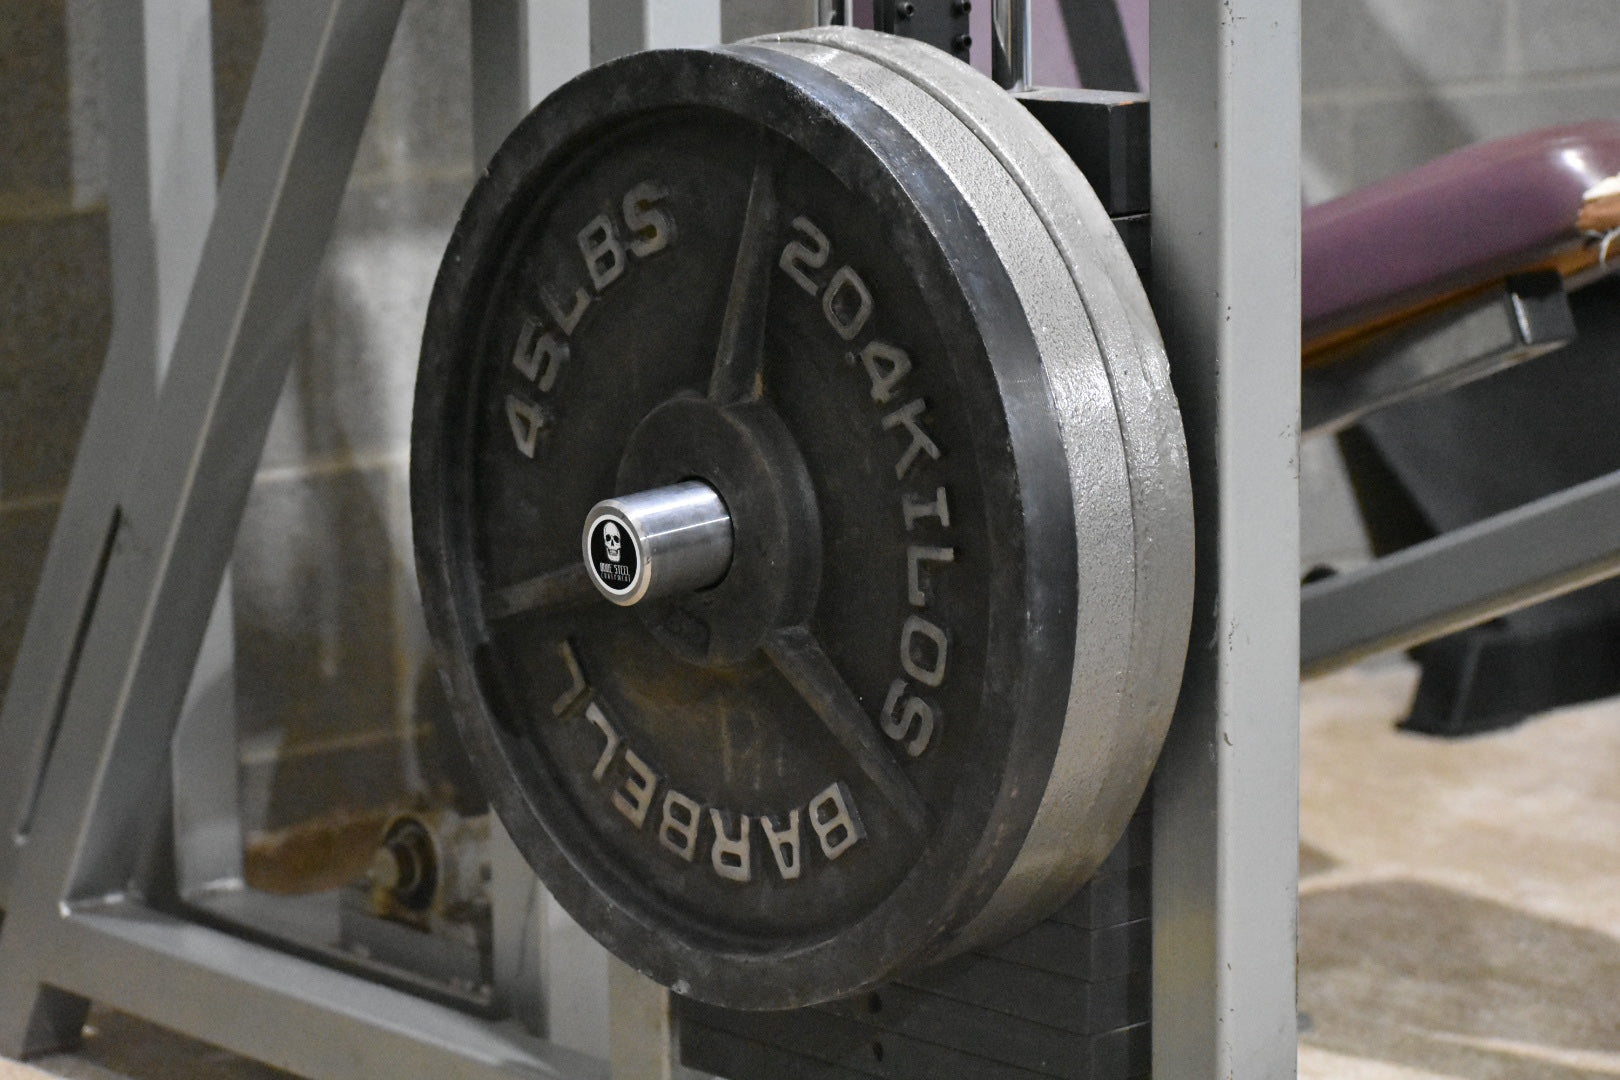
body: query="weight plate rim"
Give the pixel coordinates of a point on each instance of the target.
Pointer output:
(432, 532)
(1145, 405)
(1133, 358)
(1098, 484)
(1096, 477)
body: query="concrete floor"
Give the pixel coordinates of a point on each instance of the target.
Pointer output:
(1459, 901)
(1459, 904)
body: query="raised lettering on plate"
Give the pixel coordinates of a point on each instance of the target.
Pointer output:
(834, 820)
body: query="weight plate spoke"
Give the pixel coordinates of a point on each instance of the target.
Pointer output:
(801, 660)
(739, 360)
(561, 589)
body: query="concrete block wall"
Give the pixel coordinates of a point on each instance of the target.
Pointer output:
(339, 707)
(1390, 84)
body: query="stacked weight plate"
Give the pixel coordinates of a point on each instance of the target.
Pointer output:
(855, 289)
(1070, 998)
(1106, 370)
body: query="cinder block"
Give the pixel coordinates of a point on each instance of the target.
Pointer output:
(339, 781)
(1388, 138)
(349, 393)
(1354, 44)
(1325, 133)
(36, 135)
(1391, 137)
(428, 82)
(1569, 35)
(1524, 108)
(421, 121)
(25, 536)
(55, 315)
(316, 640)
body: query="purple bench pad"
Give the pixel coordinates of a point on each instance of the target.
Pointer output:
(1459, 220)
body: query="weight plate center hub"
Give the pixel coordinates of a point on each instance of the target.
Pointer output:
(801, 512)
(724, 528)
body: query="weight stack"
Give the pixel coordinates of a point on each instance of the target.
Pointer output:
(1071, 998)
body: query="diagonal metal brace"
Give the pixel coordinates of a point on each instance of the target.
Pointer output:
(165, 535)
(1554, 545)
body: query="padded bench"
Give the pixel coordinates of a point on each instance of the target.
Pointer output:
(1399, 248)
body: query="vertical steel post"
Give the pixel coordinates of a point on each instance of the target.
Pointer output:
(746, 18)
(549, 973)
(643, 1041)
(522, 50)
(1011, 60)
(621, 27)
(1226, 138)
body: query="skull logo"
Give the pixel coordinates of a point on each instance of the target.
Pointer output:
(611, 541)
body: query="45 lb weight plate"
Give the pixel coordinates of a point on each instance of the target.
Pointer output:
(801, 512)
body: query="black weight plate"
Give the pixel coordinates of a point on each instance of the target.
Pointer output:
(732, 266)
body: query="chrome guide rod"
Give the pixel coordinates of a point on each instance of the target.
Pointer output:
(1011, 64)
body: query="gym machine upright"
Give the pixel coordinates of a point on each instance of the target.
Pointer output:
(126, 600)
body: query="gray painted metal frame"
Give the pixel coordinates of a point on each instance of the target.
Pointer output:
(125, 608)
(1226, 221)
(128, 596)
(521, 51)
(1462, 578)
(161, 159)
(137, 574)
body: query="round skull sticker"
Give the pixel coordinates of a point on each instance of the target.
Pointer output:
(614, 559)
